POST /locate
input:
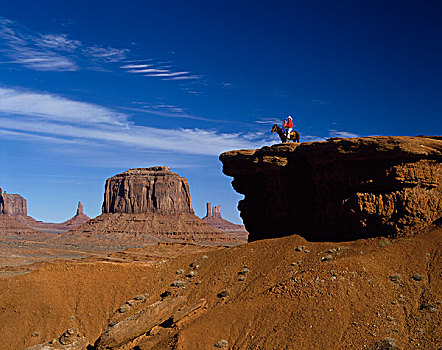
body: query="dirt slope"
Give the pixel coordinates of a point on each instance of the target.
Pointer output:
(363, 292)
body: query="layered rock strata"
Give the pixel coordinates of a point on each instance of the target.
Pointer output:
(147, 189)
(8, 224)
(339, 189)
(15, 204)
(148, 205)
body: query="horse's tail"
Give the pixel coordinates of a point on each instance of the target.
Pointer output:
(297, 136)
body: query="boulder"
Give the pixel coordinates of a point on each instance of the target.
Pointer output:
(139, 323)
(339, 189)
(142, 190)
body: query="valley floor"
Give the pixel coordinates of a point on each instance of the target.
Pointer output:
(283, 293)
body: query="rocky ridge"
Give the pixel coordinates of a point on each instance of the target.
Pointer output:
(339, 189)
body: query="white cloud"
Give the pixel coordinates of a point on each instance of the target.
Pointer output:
(167, 74)
(107, 54)
(135, 66)
(185, 77)
(58, 41)
(56, 108)
(33, 50)
(335, 133)
(269, 121)
(31, 116)
(50, 52)
(159, 70)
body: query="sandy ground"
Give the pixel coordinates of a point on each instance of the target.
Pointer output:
(279, 295)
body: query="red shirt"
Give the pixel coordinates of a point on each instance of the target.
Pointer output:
(290, 124)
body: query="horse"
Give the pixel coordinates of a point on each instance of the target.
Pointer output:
(294, 135)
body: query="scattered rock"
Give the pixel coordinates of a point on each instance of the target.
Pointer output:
(130, 302)
(331, 250)
(35, 334)
(192, 274)
(244, 271)
(384, 243)
(326, 258)
(141, 296)
(72, 339)
(204, 257)
(241, 278)
(222, 343)
(293, 264)
(124, 308)
(179, 284)
(418, 277)
(300, 248)
(385, 344)
(390, 319)
(396, 277)
(223, 294)
(180, 272)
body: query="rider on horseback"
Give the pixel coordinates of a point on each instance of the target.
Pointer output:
(288, 127)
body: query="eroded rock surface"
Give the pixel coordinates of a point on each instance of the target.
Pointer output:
(15, 204)
(339, 189)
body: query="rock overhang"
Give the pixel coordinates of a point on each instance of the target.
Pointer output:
(381, 185)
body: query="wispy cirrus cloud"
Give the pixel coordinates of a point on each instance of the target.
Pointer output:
(22, 116)
(319, 102)
(344, 134)
(55, 108)
(161, 70)
(58, 52)
(50, 52)
(107, 54)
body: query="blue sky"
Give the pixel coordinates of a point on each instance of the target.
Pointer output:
(91, 89)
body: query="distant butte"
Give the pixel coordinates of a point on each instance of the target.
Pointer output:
(214, 219)
(148, 205)
(15, 206)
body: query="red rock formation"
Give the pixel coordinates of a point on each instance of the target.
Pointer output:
(79, 219)
(2, 203)
(214, 219)
(148, 205)
(339, 189)
(16, 205)
(147, 189)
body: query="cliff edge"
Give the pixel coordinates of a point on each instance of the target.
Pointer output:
(339, 189)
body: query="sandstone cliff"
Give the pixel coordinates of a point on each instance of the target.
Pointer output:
(147, 206)
(339, 189)
(15, 204)
(147, 189)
